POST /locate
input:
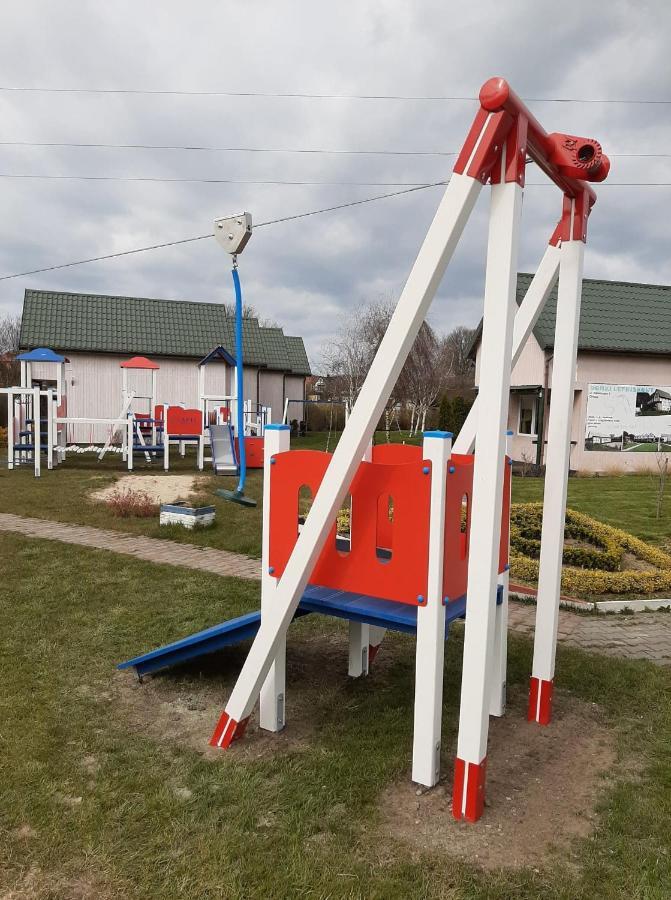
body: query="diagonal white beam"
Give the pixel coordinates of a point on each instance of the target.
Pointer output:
(434, 255)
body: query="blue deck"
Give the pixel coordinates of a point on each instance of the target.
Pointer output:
(329, 602)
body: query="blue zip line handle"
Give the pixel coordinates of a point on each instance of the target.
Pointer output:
(239, 374)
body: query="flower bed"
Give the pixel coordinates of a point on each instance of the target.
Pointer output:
(594, 565)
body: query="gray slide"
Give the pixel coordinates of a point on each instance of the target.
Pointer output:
(223, 450)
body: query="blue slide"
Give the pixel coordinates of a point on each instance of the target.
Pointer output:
(340, 604)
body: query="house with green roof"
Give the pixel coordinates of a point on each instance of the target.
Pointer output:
(620, 415)
(96, 333)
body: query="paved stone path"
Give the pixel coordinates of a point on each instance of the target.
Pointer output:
(644, 635)
(639, 636)
(156, 550)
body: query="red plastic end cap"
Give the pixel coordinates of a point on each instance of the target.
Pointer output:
(372, 653)
(540, 701)
(468, 793)
(494, 94)
(227, 731)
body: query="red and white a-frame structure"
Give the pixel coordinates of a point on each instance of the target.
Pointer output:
(503, 137)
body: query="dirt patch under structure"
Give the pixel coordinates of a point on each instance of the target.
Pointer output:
(159, 488)
(183, 708)
(542, 788)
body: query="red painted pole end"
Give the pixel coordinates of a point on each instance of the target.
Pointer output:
(227, 731)
(468, 793)
(540, 701)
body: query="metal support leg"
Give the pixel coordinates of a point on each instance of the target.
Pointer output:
(430, 650)
(437, 249)
(488, 475)
(556, 480)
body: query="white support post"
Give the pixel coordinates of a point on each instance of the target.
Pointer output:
(51, 412)
(430, 650)
(37, 433)
(499, 663)
(526, 317)
(359, 632)
(166, 449)
(556, 479)
(272, 710)
(434, 255)
(130, 424)
(483, 557)
(10, 429)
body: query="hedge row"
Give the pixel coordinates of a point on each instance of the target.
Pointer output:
(581, 574)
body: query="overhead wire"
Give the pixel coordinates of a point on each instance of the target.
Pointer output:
(300, 95)
(298, 150)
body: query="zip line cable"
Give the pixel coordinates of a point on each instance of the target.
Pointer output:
(304, 215)
(309, 96)
(202, 237)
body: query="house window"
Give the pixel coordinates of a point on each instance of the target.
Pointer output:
(527, 422)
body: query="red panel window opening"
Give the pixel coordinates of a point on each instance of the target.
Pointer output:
(343, 531)
(464, 525)
(384, 542)
(304, 506)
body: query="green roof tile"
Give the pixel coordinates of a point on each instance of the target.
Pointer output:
(616, 316)
(131, 325)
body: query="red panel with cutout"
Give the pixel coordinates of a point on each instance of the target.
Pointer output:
(399, 576)
(183, 422)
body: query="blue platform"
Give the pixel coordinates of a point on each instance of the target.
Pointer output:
(340, 604)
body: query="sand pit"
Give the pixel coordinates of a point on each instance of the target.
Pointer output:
(159, 488)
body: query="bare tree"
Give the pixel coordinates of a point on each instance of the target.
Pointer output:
(10, 330)
(660, 481)
(250, 312)
(454, 355)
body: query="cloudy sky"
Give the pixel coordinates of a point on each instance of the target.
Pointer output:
(309, 273)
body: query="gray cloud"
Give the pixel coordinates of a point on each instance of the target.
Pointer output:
(308, 274)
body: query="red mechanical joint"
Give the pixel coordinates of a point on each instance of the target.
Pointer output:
(578, 157)
(482, 148)
(573, 223)
(468, 792)
(227, 731)
(540, 701)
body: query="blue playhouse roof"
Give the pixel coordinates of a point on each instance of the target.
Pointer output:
(218, 353)
(41, 354)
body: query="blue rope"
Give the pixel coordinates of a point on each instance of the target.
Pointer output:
(240, 380)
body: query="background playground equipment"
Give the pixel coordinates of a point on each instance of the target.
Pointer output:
(40, 404)
(33, 410)
(504, 135)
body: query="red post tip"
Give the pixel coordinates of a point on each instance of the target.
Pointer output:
(468, 792)
(494, 94)
(227, 731)
(540, 701)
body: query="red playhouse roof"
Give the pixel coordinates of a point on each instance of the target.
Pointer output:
(139, 362)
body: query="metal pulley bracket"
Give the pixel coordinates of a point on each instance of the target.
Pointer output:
(233, 232)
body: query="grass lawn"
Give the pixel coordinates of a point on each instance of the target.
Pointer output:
(100, 802)
(624, 501)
